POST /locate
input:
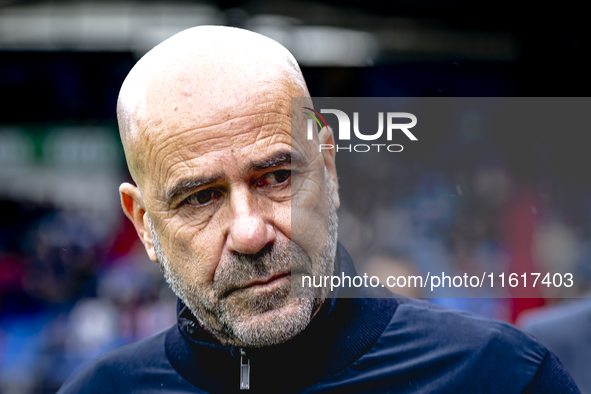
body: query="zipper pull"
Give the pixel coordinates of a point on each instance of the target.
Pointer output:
(244, 371)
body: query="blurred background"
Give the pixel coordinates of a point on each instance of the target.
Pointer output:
(74, 280)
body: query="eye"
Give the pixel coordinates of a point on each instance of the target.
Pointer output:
(274, 178)
(203, 197)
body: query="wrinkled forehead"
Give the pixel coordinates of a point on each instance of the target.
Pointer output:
(221, 106)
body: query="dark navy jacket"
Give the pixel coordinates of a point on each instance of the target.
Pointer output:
(381, 345)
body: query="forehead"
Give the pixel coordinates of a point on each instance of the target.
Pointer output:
(241, 134)
(194, 137)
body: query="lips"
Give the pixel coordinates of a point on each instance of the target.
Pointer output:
(266, 282)
(263, 285)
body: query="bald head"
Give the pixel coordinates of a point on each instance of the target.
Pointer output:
(201, 77)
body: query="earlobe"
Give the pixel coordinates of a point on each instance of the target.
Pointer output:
(147, 240)
(326, 137)
(133, 207)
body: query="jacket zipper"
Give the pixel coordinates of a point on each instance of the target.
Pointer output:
(244, 371)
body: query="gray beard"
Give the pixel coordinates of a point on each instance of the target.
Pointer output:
(236, 316)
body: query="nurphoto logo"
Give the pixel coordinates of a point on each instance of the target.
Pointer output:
(344, 131)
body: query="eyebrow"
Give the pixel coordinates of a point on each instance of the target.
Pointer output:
(276, 159)
(186, 185)
(279, 158)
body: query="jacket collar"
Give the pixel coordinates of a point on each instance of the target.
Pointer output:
(342, 331)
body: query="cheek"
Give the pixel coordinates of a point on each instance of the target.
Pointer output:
(281, 219)
(309, 216)
(194, 250)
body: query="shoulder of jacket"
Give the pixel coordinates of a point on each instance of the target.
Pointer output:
(465, 331)
(109, 370)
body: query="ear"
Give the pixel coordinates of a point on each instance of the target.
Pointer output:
(326, 137)
(132, 203)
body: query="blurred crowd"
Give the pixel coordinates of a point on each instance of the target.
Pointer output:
(69, 292)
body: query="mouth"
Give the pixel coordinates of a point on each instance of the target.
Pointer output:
(268, 283)
(265, 285)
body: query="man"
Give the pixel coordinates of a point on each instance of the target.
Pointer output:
(236, 206)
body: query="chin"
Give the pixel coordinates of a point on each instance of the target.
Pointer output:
(276, 325)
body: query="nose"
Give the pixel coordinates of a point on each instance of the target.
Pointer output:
(249, 230)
